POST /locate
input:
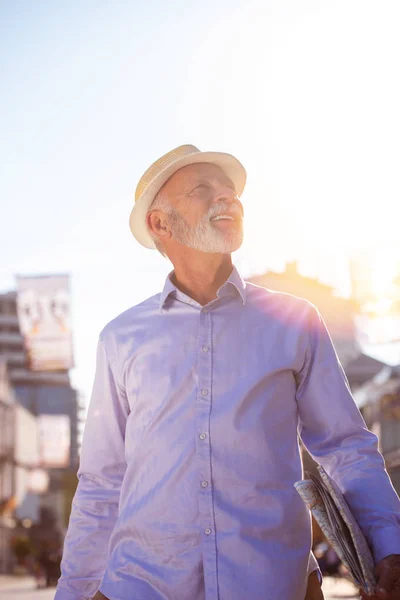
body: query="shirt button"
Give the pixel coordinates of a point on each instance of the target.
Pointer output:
(204, 484)
(206, 348)
(203, 436)
(204, 392)
(207, 531)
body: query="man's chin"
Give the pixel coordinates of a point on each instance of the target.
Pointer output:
(223, 248)
(223, 244)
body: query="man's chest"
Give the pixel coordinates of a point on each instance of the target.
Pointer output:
(235, 377)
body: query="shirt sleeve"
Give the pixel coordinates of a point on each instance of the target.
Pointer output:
(314, 566)
(95, 505)
(336, 436)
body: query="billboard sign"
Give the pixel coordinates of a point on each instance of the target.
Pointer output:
(54, 441)
(45, 321)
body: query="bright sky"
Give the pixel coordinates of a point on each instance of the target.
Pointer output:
(306, 94)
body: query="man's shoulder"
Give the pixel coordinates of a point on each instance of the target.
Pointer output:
(277, 302)
(131, 318)
(291, 314)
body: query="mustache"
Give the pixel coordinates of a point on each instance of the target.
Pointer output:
(234, 209)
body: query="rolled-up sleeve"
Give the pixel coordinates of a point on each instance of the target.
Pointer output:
(314, 566)
(336, 436)
(102, 468)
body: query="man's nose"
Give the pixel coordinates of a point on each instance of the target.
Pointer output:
(229, 196)
(226, 194)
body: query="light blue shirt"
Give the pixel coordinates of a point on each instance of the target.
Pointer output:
(191, 450)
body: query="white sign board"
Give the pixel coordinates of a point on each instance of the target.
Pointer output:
(45, 321)
(54, 440)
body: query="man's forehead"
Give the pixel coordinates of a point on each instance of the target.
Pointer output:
(200, 171)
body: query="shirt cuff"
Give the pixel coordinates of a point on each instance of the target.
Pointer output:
(314, 566)
(63, 594)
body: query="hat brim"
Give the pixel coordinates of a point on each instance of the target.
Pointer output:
(228, 163)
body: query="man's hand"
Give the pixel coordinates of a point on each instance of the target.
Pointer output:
(314, 591)
(387, 573)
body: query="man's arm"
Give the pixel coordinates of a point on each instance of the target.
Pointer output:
(314, 590)
(314, 580)
(335, 434)
(95, 505)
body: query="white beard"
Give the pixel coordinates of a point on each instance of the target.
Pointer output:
(204, 236)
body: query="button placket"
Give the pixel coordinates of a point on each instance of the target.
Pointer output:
(203, 448)
(204, 390)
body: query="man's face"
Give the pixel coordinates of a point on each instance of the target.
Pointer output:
(205, 213)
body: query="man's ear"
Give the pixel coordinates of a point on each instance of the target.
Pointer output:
(158, 225)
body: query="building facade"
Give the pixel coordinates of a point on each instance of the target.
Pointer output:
(34, 407)
(7, 466)
(379, 400)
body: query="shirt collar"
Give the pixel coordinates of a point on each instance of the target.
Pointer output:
(169, 287)
(234, 280)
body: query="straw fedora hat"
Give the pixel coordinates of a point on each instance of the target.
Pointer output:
(160, 171)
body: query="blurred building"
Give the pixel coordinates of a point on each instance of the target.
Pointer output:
(379, 401)
(363, 268)
(362, 369)
(374, 273)
(376, 287)
(56, 409)
(7, 470)
(40, 392)
(26, 462)
(44, 425)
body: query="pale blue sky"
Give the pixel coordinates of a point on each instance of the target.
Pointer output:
(305, 94)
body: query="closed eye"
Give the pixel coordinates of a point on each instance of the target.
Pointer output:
(202, 187)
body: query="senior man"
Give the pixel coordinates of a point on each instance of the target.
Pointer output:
(191, 445)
